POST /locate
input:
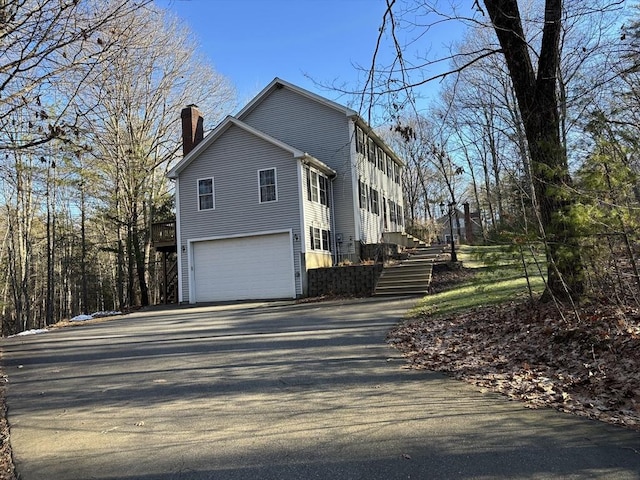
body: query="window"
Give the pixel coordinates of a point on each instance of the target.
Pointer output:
(313, 186)
(390, 164)
(323, 186)
(320, 239)
(396, 172)
(267, 180)
(373, 195)
(362, 188)
(384, 212)
(205, 194)
(361, 145)
(392, 212)
(372, 151)
(399, 214)
(316, 240)
(326, 240)
(381, 157)
(317, 188)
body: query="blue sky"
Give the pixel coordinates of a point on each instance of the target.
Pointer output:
(307, 42)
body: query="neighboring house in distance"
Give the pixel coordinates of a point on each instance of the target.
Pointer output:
(292, 182)
(461, 222)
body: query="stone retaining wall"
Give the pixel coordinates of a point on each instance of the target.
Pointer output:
(357, 280)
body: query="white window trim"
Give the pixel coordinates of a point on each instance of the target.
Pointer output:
(313, 238)
(213, 193)
(275, 178)
(315, 186)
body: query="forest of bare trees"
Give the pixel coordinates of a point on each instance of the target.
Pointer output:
(535, 126)
(90, 99)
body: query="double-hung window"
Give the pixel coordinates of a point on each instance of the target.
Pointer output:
(320, 239)
(317, 188)
(392, 211)
(362, 189)
(371, 152)
(314, 194)
(323, 187)
(361, 142)
(373, 196)
(268, 185)
(381, 157)
(326, 240)
(205, 194)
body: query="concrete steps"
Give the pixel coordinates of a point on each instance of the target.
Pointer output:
(403, 239)
(411, 276)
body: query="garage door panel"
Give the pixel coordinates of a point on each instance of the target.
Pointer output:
(258, 267)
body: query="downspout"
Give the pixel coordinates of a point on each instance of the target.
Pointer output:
(334, 243)
(303, 229)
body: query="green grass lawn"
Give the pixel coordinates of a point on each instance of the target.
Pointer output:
(500, 277)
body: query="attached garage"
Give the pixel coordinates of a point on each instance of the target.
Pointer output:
(244, 268)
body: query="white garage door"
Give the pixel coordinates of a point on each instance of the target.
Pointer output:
(258, 267)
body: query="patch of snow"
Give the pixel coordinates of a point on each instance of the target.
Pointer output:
(30, 332)
(82, 318)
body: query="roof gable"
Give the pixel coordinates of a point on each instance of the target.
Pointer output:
(277, 83)
(227, 123)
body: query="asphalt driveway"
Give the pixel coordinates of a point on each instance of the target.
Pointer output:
(275, 391)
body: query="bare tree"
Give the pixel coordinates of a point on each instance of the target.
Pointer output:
(135, 100)
(532, 57)
(41, 41)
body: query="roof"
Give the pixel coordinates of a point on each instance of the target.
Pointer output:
(230, 121)
(277, 83)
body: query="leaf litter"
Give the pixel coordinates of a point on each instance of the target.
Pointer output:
(585, 364)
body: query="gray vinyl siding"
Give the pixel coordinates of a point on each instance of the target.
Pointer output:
(233, 160)
(321, 131)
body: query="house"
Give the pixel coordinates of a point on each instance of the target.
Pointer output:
(293, 182)
(466, 226)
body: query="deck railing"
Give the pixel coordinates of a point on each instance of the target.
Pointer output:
(163, 234)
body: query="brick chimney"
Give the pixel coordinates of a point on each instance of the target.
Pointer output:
(192, 128)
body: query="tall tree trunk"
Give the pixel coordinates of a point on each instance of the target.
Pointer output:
(139, 259)
(538, 104)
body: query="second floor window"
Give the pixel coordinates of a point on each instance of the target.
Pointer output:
(317, 188)
(312, 185)
(373, 196)
(362, 190)
(205, 194)
(268, 186)
(361, 142)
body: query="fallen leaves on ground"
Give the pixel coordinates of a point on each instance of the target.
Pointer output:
(541, 354)
(7, 469)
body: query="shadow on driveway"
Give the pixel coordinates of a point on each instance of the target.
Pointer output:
(275, 392)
